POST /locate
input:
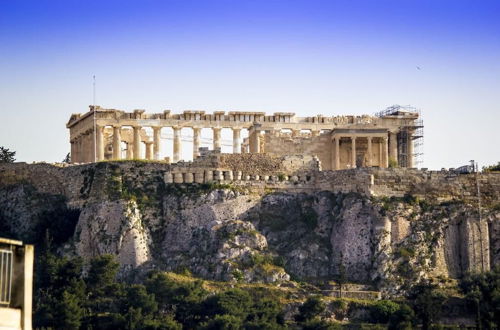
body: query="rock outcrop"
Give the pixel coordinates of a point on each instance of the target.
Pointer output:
(228, 232)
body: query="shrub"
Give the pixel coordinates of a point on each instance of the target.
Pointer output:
(403, 318)
(393, 163)
(311, 309)
(492, 168)
(381, 311)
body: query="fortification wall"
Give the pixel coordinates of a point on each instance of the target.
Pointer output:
(260, 172)
(265, 164)
(440, 185)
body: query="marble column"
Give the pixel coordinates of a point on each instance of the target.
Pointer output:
(74, 155)
(177, 144)
(393, 147)
(117, 140)
(136, 150)
(295, 132)
(369, 161)
(236, 140)
(81, 153)
(380, 154)
(353, 152)
(254, 141)
(73, 151)
(385, 152)
(409, 162)
(216, 131)
(337, 153)
(85, 148)
(129, 152)
(149, 149)
(78, 158)
(156, 142)
(196, 142)
(92, 147)
(100, 142)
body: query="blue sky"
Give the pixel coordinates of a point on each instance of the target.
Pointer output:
(308, 57)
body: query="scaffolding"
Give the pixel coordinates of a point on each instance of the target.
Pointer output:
(411, 132)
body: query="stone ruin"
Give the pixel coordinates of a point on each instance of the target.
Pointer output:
(338, 142)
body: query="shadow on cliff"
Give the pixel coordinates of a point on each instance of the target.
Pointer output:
(36, 218)
(316, 235)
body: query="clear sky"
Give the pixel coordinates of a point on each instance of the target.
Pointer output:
(308, 57)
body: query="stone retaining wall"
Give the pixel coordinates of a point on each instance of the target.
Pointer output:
(441, 185)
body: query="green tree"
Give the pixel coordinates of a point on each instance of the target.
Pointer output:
(234, 302)
(310, 309)
(341, 277)
(320, 325)
(102, 272)
(492, 168)
(381, 311)
(105, 294)
(427, 301)
(138, 306)
(402, 319)
(223, 322)
(483, 292)
(60, 292)
(136, 296)
(162, 322)
(265, 313)
(69, 312)
(183, 299)
(7, 156)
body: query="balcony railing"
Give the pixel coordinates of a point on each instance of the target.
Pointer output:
(6, 259)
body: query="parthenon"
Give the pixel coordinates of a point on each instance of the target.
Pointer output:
(339, 142)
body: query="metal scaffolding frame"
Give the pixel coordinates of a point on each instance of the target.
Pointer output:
(414, 130)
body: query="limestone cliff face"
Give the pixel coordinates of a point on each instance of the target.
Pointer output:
(227, 232)
(113, 228)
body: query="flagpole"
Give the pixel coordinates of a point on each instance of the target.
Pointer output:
(93, 109)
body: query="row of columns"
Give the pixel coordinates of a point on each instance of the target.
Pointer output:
(153, 148)
(384, 159)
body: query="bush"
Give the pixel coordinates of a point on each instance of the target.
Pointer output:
(7, 156)
(234, 302)
(223, 322)
(402, 319)
(492, 168)
(393, 163)
(427, 301)
(320, 325)
(340, 307)
(483, 292)
(311, 308)
(382, 310)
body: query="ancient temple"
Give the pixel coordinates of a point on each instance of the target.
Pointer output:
(339, 142)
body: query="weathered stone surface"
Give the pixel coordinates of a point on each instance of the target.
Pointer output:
(113, 228)
(260, 231)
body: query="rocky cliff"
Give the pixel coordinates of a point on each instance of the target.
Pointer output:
(398, 228)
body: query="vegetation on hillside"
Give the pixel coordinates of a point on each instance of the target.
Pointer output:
(492, 168)
(66, 297)
(7, 156)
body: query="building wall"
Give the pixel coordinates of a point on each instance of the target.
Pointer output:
(323, 147)
(320, 146)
